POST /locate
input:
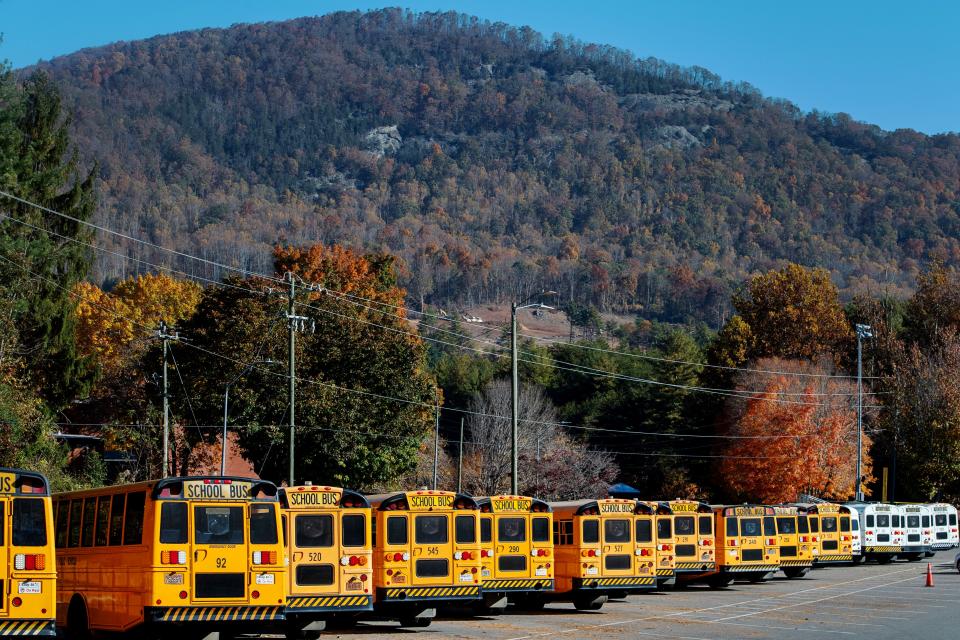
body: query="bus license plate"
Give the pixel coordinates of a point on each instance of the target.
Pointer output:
(264, 578)
(486, 573)
(29, 587)
(541, 571)
(173, 578)
(592, 571)
(466, 577)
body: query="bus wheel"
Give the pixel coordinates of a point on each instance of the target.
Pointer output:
(887, 559)
(415, 621)
(795, 572)
(912, 557)
(858, 559)
(343, 621)
(755, 579)
(77, 626)
(719, 582)
(591, 603)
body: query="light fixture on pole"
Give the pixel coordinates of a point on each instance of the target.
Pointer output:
(515, 383)
(226, 405)
(864, 331)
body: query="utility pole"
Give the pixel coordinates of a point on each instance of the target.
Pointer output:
(863, 331)
(295, 323)
(166, 337)
(460, 461)
(436, 439)
(514, 392)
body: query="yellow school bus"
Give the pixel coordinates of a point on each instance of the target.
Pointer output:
(595, 552)
(426, 554)
(666, 544)
(742, 551)
(327, 535)
(796, 555)
(517, 551)
(197, 554)
(27, 572)
(695, 549)
(834, 547)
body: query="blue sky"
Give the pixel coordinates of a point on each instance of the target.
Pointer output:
(895, 64)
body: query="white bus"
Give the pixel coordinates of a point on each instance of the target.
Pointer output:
(917, 531)
(880, 523)
(945, 533)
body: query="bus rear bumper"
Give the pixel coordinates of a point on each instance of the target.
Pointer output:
(799, 563)
(834, 558)
(217, 615)
(695, 567)
(298, 605)
(515, 586)
(627, 583)
(386, 595)
(27, 628)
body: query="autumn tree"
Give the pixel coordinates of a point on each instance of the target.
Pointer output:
(364, 395)
(791, 432)
(792, 313)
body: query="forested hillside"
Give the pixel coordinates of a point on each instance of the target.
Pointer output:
(493, 162)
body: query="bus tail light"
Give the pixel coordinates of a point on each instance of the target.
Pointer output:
(264, 557)
(16, 601)
(173, 557)
(29, 562)
(771, 541)
(733, 543)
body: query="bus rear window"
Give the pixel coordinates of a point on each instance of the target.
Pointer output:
(541, 529)
(913, 522)
(313, 531)
(940, 519)
(511, 530)
(29, 523)
(750, 527)
(829, 525)
(786, 526)
(354, 530)
(683, 525)
(706, 525)
(430, 529)
(263, 524)
(616, 531)
(465, 529)
(217, 525)
(882, 521)
(591, 531)
(173, 523)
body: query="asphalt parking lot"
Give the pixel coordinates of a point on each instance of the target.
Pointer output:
(868, 601)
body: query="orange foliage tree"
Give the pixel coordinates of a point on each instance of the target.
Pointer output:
(798, 435)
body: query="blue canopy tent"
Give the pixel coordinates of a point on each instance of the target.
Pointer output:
(621, 490)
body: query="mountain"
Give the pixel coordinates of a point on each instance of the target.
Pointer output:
(495, 162)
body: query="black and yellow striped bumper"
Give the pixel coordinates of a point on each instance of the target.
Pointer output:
(406, 594)
(27, 628)
(609, 583)
(796, 563)
(835, 557)
(539, 584)
(665, 573)
(307, 604)
(890, 548)
(219, 614)
(749, 568)
(683, 567)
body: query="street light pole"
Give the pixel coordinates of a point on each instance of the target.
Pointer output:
(223, 440)
(515, 387)
(863, 331)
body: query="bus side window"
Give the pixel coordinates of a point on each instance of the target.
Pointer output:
(870, 520)
(397, 530)
(465, 528)
(173, 523)
(706, 525)
(541, 529)
(116, 519)
(29, 523)
(953, 519)
(133, 518)
(926, 521)
(644, 531)
(844, 524)
(856, 525)
(283, 528)
(590, 532)
(89, 519)
(769, 526)
(732, 529)
(63, 520)
(354, 530)
(486, 529)
(263, 524)
(76, 510)
(103, 521)
(814, 524)
(802, 526)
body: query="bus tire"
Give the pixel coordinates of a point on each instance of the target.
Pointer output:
(912, 557)
(885, 559)
(720, 582)
(795, 572)
(78, 627)
(415, 621)
(589, 603)
(858, 559)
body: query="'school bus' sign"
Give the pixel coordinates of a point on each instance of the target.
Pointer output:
(207, 490)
